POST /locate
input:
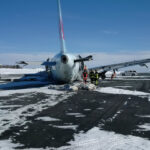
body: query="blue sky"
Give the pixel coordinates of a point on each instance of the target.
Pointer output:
(112, 26)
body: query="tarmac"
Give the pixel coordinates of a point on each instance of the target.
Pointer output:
(50, 118)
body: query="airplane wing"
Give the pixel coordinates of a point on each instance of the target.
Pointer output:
(104, 69)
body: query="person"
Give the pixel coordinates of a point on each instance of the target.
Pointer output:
(46, 66)
(113, 75)
(96, 77)
(91, 75)
(85, 74)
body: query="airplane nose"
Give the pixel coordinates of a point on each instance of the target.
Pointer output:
(64, 59)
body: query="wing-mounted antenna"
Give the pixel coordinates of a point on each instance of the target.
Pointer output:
(61, 29)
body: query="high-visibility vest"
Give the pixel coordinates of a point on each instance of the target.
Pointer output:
(91, 74)
(96, 75)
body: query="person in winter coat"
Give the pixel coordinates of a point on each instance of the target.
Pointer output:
(85, 75)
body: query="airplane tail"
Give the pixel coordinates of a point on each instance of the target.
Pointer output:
(61, 29)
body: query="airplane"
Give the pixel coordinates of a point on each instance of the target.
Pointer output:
(65, 67)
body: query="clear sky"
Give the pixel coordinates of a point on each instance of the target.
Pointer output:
(110, 26)
(90, 25)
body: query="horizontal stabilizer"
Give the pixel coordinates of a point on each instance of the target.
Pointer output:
(22, 63)
(29, 62)
(46, 63)
(88, 58)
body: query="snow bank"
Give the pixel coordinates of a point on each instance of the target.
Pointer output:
(96, 139)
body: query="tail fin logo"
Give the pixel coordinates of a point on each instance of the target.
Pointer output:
(62, 30)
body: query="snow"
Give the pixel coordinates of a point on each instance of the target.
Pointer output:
(73, 127)
(45, 90)
(143, 116)
(123, 86)
(47, 119)
(134, 79)
(87, 109)
(19, 71)
(96, 139)
(100, 108)
(10, 106)
(10, 118)
(75, 114)
(144, 127)
(126, 102)
(111, 90)
(109, 73)
(116, 115)
(7, 145)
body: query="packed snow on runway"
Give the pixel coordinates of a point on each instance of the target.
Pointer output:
(8, 71)
(97, 139)
(17, 105)
(114, 116)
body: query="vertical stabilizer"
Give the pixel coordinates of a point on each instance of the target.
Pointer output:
(61, 29)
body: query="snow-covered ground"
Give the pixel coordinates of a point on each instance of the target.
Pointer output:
(45, 90)
(13, 116)
(96, 139)
(49, 119)
(8, 71)
(111, 90)
(78, 115)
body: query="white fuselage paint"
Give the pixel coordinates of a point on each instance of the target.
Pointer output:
(65, 72)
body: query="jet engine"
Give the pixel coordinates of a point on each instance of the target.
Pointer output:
(64, 59)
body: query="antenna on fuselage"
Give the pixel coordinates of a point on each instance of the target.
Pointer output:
(61, 29)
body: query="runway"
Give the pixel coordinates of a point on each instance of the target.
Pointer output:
(114, 116)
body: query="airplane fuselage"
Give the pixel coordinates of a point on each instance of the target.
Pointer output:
(65, 70)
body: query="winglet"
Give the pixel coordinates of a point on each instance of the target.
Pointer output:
(61, 29)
